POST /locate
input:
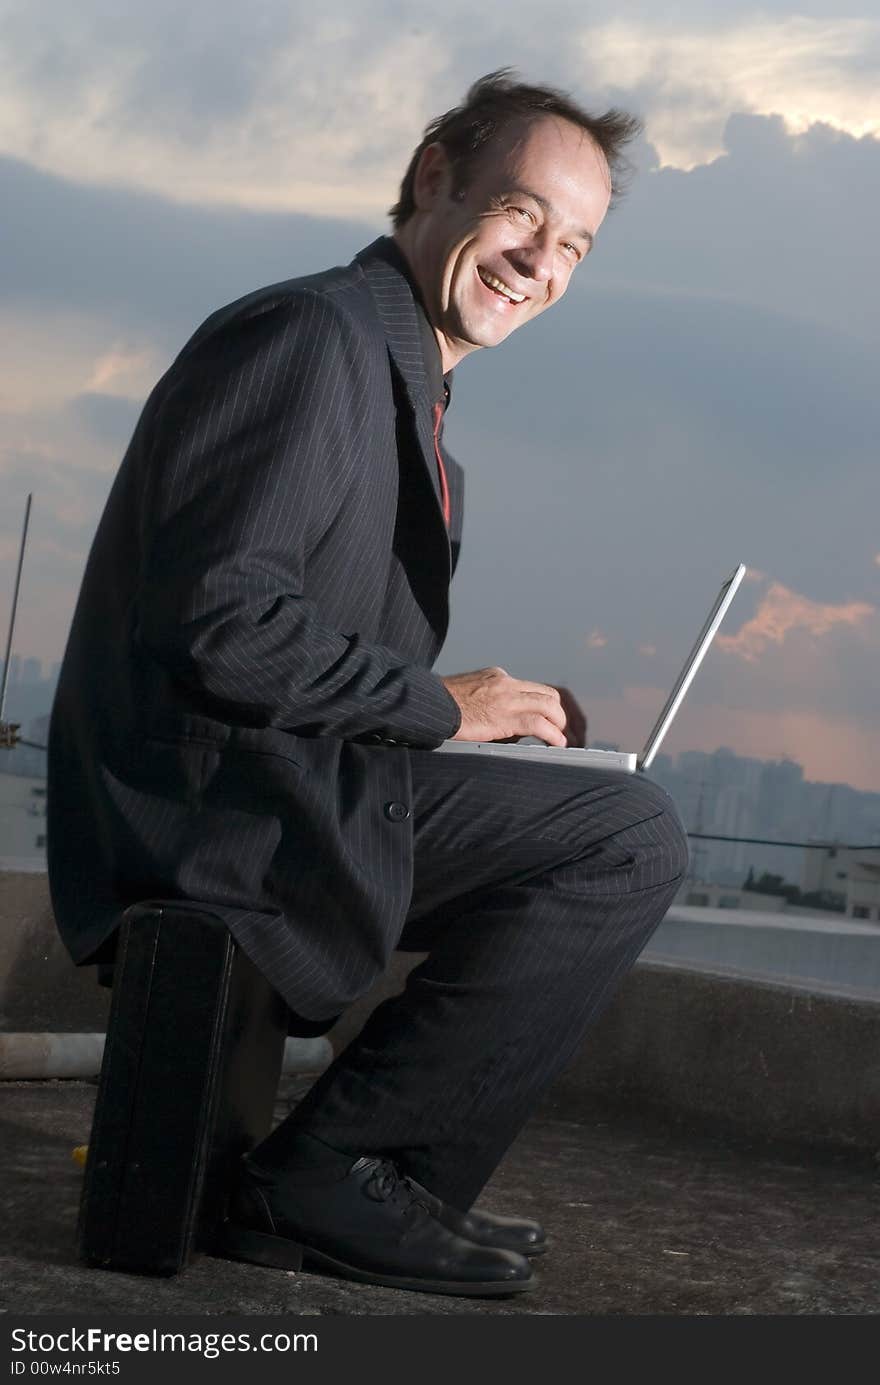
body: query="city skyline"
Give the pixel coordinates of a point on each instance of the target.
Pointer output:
(668, 760)
(22, 667)
(745, 817)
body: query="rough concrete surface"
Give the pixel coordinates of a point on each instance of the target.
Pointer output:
(644, 1218)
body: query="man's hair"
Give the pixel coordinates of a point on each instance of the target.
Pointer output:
(492, 104)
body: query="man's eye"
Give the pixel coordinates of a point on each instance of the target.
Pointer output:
(523, 211)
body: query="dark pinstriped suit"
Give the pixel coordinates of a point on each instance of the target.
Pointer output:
(250, 654)
(264, 598)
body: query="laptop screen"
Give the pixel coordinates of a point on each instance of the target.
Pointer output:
(695, 658)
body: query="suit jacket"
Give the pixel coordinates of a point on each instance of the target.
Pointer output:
(251, 650)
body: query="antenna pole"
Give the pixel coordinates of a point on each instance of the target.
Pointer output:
(7, 734)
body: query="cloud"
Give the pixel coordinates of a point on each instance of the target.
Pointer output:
(649, 650)
(703, 394)
(831, 747)
(689, 77)
(597, 640)
(108, 418)
(285, 106)
(67, 500)
(782, 611)
(780, 222)
(122, 367)
(676, 436)
(274, 106)
(146, 268)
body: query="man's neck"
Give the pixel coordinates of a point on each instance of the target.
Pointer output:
(451, 352)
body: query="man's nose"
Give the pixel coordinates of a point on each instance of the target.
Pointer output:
(534, 259)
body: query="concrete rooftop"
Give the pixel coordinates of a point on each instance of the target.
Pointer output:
(646, 1216)
(712, 1149)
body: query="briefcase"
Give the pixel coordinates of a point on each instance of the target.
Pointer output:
(188, 1083)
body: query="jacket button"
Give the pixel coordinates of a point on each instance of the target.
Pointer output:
(396, 812)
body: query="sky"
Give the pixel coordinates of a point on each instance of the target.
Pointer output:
(704, 394)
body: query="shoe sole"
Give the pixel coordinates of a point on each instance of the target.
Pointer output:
(279, 1253)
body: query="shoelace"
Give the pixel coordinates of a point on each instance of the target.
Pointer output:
(386, 1183)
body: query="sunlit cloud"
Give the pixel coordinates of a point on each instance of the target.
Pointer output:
(46, 357)
(597, 640)
(122, 370)
(264, 125)
(832, 746)
(781, 612)
(647, 649)
(9, 548)
(806, 70)
(230, 107)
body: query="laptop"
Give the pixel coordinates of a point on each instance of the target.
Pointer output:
(530, 748)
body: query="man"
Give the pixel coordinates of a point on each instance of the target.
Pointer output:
(246, 714)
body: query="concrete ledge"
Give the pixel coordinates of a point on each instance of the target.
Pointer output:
(818, 949)
(761, 1059)
(37, 1057)
(717, 1051)
(40, 988)
(766, 1058)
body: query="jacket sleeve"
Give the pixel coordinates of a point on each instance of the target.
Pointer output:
(247, 444)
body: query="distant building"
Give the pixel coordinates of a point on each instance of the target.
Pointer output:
(852, 876)
(29, 698)
(825, 870)
(27, 760)
(700, 894)
(22, 822)
(780, 794)
(38, 730)
(721, 794)
(863, 885)
(14, 670)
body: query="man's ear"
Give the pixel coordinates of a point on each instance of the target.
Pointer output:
(433, 177)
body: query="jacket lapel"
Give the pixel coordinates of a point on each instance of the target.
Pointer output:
(393, 297)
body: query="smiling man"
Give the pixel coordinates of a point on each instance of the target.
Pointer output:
(490, 255)
(246, 715)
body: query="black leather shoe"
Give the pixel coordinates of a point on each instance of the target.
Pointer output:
(366, 1223)
(485, 1229)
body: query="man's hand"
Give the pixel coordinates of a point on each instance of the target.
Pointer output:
(576, 718)
(496, 707)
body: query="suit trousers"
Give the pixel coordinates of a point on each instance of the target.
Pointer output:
(535, 888)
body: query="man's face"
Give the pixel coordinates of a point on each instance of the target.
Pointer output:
(502, 251)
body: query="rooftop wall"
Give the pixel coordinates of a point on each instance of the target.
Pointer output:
(714, 1043)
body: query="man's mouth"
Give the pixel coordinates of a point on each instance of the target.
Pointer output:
(499, 287)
